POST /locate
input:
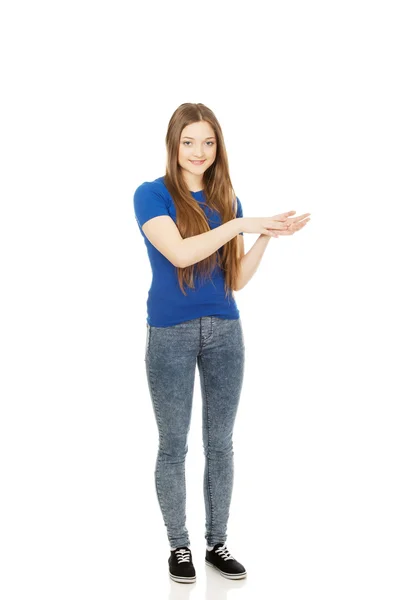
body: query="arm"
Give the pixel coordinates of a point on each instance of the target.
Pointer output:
(198, 247)
(163, 233)
(152, 215)
(250, 261)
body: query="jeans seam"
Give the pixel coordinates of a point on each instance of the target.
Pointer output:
(207, 450)
(160, 436)
(148, 333)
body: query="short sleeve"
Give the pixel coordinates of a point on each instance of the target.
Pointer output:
(148, 203)
(239, 211)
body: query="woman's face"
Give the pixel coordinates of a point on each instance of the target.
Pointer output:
(197, 143)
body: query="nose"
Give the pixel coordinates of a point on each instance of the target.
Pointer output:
(198, 154)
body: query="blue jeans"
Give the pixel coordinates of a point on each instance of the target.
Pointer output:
(217, 346)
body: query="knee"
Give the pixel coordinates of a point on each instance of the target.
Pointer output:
(173, 448)
(219, 451)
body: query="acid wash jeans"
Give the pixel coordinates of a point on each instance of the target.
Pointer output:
(217, 346)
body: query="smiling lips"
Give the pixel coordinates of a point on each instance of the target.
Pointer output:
(197, 162)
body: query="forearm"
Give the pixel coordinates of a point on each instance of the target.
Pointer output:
(198, 247)
(250, 261)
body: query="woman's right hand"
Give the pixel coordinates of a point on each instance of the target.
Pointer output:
(266, 225)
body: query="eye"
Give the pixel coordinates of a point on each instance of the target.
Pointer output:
(188, 142)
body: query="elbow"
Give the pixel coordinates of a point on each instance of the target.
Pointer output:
(179, 259)
(183, 261)
(178, 262)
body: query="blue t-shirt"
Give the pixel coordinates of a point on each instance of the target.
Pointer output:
(166, 304)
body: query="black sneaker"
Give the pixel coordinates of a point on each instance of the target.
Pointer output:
(223, 561)
(181, 568)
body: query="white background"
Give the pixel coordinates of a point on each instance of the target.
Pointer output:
(307, 95)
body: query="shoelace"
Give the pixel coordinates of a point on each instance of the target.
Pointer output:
(223, 551)
(182, 555)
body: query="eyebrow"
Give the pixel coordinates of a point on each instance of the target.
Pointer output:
(190, 138)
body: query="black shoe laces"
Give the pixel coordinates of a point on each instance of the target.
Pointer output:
(182, 555)
(223, 551)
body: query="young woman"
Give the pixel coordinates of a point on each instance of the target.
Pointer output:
(192, 224)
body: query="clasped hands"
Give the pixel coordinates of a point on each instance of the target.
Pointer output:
(293, 223)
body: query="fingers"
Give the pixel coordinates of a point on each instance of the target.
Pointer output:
(284, 216)
(296, 219)
(279, 225)
(286, 226)
(293, 227)
(301, 220)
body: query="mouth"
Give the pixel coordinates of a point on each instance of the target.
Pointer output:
(198, 162)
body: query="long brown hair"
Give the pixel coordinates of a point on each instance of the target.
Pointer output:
(218, 192)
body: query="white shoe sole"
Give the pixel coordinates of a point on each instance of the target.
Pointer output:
(228, 575)
(182, 579)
